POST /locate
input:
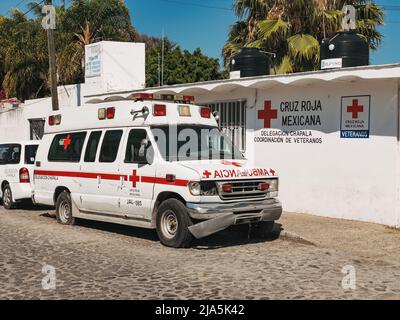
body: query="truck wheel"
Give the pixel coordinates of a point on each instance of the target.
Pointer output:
(262, 229)
(8, 202)
(173, 223)
(64, 209)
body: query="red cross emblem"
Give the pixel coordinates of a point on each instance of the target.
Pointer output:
(207, 174)
(134, 178)
(67, 142)
(355, 109)
(267, 114)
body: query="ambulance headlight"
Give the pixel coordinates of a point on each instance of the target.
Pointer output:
(194, 188)
(273, 185)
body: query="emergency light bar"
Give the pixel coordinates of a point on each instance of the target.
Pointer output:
(162, 97)
(55, 120)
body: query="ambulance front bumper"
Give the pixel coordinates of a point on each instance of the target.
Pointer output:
(220, 216)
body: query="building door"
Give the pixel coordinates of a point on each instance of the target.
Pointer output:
(137, 191)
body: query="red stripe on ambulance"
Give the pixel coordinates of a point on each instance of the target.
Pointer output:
(115, 177)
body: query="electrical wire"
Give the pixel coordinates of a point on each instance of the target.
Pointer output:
(33, 7)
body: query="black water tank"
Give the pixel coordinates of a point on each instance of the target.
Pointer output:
(250, 62)
(347, 45)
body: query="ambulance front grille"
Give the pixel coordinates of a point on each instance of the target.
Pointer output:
(242, 190)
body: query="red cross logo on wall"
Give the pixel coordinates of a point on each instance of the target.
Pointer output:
(67, 142)
(134, 178)
(355, 109)
(267, 114)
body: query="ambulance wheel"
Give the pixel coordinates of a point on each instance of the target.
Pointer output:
(8, 202)
(64, 209)
(173, 223)
(262, 229)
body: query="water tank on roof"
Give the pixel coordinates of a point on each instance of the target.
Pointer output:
(345, 49)
(249, 62)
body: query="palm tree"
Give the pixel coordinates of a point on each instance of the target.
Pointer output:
(24, 56)
(293, 29)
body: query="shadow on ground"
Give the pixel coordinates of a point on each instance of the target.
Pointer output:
(232, 236)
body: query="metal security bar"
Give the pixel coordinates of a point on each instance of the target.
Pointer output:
(36, 128)
(232, 120)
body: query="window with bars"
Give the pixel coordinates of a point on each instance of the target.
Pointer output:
(36, 129)
(232, 120)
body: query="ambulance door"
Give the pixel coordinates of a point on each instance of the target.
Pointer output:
(101, 179)
(89, 187)
(137, 191)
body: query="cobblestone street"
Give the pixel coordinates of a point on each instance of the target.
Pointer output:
(105, 261)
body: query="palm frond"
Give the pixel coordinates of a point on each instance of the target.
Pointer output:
(303, 47)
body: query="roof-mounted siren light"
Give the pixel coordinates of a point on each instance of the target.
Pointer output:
(178, 98)
(346, 48)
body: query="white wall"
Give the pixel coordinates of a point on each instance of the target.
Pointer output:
(118, 66)
(344, 178)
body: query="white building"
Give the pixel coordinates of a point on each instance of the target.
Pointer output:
(333, 136)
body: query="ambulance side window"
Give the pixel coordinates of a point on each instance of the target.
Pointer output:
(92, 145)
(110, 146)
(134, 144)
(67, 147)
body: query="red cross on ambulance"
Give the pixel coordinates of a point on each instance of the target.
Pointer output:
(134, 178)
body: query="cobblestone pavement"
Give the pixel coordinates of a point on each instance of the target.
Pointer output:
(105, 261)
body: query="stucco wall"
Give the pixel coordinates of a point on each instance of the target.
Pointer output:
(322, 173)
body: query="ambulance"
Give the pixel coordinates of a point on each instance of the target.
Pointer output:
(152, 161)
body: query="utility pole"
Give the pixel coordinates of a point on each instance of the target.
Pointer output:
(162, 60)
(52, 63)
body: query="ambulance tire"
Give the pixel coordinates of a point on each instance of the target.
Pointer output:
(173, 224)
(64, 209)
(262, 229)
(7, 199)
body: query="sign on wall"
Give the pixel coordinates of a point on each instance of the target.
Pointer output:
(355, 117)
(93, 62)
(290, 122)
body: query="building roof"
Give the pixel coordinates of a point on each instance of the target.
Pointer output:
(390, 71)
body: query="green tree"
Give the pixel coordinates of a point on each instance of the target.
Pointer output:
(179, 66)
(23, 56)
(293, 29)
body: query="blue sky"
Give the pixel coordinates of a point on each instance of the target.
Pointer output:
(205, 23)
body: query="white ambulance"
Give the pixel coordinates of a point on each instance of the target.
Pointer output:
(152, 161)
(16, 170)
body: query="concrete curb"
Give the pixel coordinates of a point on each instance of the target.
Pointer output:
(293, 237)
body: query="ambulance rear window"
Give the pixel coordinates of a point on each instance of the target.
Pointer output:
(67, 147)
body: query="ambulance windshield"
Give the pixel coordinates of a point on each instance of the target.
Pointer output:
(192, 142)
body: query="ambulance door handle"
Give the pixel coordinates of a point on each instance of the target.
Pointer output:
(98, 180)
(121, 179)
